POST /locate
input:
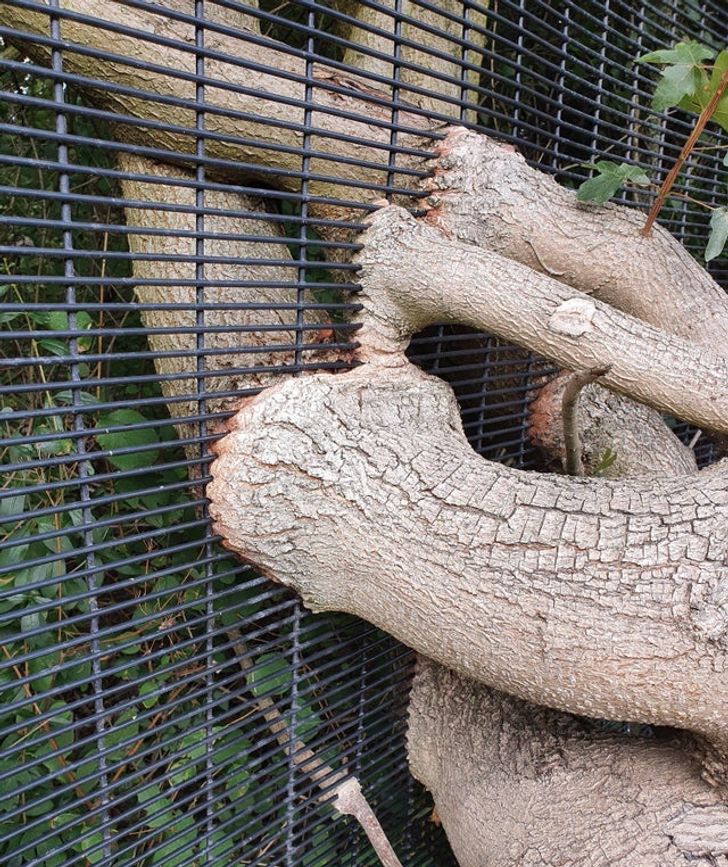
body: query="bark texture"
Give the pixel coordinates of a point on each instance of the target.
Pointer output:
(484, 193)
(521, 786)
(605, 598)
(430, 46)
(516, 784)
(244, 349)
(468, 285)
(255, 99)
(636, 436)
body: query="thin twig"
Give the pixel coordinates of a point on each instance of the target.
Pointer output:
(348, 797)
(573, 464)
(692, 140)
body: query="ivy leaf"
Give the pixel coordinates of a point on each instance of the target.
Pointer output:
(609, 178)
(718, 234)
(270, 675)
(683, 79)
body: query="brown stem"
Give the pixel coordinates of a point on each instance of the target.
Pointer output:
(349, 799)
(351, 802)
(573, 464)
(690, 143)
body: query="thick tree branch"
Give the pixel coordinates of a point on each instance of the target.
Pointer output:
(255, 96)
(249, 330)
(520, 786)
(413, 275)
(567, 592)
(485, 194)
(436, 50)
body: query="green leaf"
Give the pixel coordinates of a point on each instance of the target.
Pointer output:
(718, 234)
(149, 693)
(700, 99)
(691, 53)
(677, 83)
(720, 113)
(684, 79)
(609, 178)
(270, 675)
(53, 346)
(115, 440)
(92, 841)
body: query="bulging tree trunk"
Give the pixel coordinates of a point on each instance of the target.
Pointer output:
(517, 785)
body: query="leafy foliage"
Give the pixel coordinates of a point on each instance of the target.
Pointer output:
(688, 83)
(609, 178)
(116, 587)
(684, 75)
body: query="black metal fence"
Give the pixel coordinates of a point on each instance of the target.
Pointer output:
(165, 250)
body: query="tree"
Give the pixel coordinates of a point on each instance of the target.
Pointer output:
(531, 598)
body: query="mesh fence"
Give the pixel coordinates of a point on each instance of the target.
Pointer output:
(181, 185)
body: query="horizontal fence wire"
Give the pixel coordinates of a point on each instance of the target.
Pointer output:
(182, 185)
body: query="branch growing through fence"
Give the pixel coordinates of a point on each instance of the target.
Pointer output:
(348, 798)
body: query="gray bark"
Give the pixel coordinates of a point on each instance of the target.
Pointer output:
(461, 283)
(260, 337)
(484, 193)
(636, 436)
(566, 592)
(521, 786)
(435, 53)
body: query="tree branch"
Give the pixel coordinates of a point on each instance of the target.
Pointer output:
(413, 276)
(521, 786)
(255, 99)
(573, 464)
(484, 193)
(494, 572)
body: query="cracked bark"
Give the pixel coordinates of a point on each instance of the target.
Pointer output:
(567, 592)
(517, 785)
(521, 786)
(253, 333)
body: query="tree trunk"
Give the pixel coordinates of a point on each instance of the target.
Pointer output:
(522, 786)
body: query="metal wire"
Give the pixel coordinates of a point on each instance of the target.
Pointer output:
(138, 306)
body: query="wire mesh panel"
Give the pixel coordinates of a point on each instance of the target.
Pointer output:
(182, 182)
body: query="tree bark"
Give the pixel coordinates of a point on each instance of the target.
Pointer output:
(608, 598)
(521, 786)
(440, 73)
(255, 100)
(245, 347)
(412, 276)
(484, 193)
(516, 784)
(618, 436)
(572, 593)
